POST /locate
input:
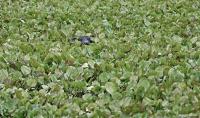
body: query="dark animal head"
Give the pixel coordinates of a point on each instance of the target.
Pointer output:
(86, 40)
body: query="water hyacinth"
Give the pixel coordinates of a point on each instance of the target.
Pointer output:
(91, 58)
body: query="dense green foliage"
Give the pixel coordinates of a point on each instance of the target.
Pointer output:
(145, 61)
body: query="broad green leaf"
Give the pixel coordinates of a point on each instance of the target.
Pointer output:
(111, 87)
(126, 101)
(177, 39)
(3, 74)
(143, 83)
(25, 70)
(78, 84)
(31, 82)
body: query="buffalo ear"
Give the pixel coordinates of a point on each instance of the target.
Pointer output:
(91, 41)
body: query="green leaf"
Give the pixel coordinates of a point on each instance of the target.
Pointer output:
(25, 70)
(175, 74)
(104, 77)
(3, 74)
(143, 83)
(111, 87)
(177, 39)
(31, 82)
(125, 102)
(78, 84)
